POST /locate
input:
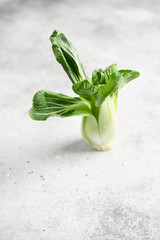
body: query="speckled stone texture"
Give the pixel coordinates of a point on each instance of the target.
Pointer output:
(53, 186)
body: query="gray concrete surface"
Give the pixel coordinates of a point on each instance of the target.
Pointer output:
(52, 185)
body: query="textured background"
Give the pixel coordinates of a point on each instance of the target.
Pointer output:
(52, 185)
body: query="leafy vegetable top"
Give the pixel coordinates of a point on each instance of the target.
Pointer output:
(91, 93)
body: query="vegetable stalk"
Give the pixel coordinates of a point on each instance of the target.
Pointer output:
(100, 131)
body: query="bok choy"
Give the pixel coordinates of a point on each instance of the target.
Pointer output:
(97, 100)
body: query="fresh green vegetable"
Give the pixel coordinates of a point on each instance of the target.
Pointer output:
(97, 101)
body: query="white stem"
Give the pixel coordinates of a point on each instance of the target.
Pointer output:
(100, 134)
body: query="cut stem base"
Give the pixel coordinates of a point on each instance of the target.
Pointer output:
(102, 147)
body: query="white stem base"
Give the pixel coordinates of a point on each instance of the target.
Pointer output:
(100, 131)
(102, 147)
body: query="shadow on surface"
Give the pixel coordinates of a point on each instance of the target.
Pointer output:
(79, 146)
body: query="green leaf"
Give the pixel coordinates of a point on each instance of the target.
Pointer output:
(67, 56)
(106, 81)
(47, 104)
(95, 94)
(85, 89)
(125, 77)
(98, 77)
(106, 89)
(110, 81)
(111, 70)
